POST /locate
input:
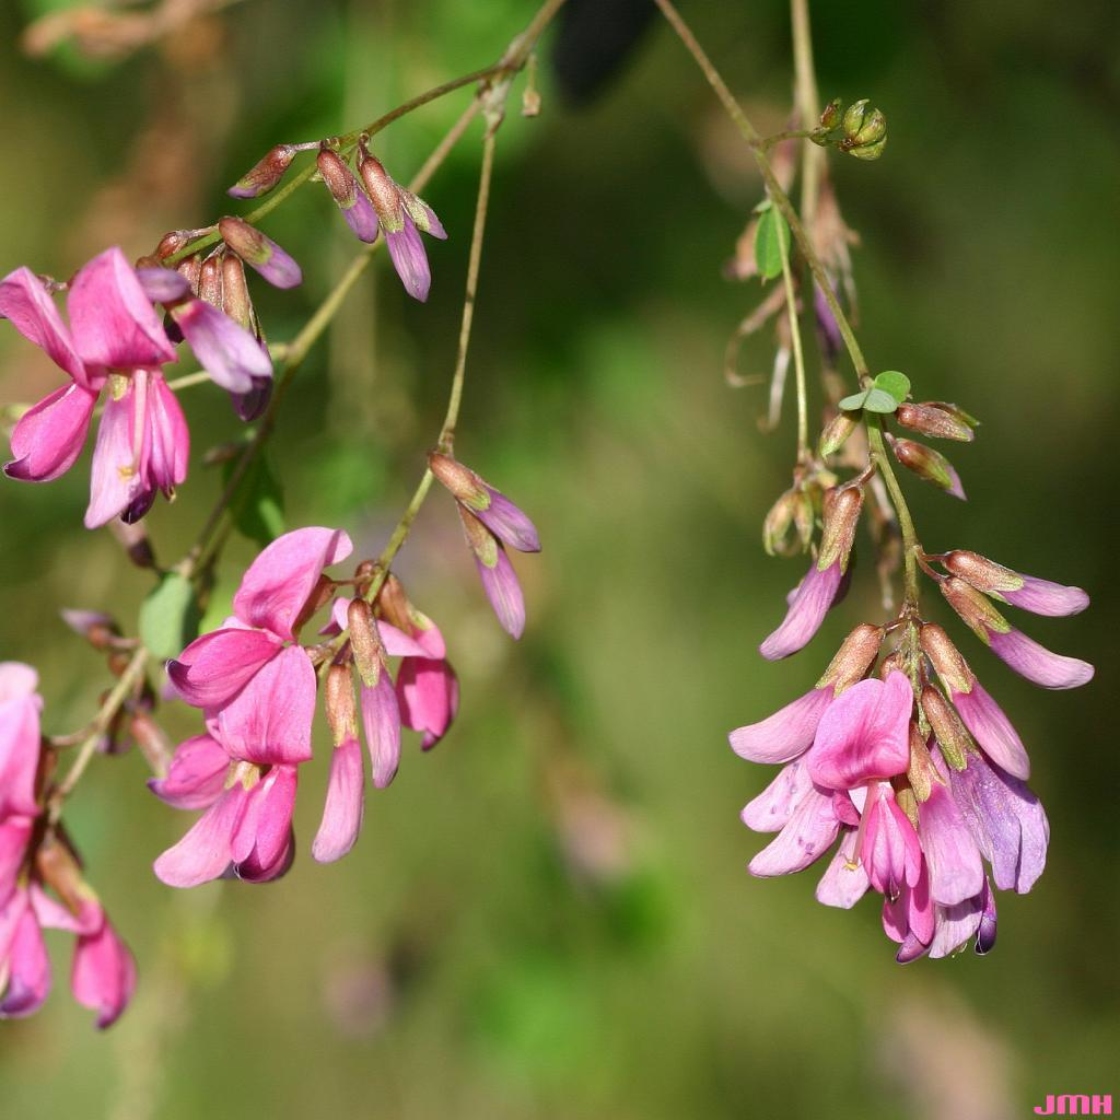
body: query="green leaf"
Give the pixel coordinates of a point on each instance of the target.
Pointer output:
(895, 383)
(870, 400)
(258, 506)
(771, 243)
(169, 616)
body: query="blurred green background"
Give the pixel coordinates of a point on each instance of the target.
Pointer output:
(549, 915)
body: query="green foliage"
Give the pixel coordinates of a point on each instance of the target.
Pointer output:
(169, 616)
(771, 241)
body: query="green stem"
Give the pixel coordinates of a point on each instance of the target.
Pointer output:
(798, 362)
(808, 109)
(911, 547)
(773, 187)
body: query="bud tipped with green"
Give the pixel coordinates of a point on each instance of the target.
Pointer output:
(365, 642)
(837, 431)
(948, 728)
(935, 421)
(260, 252)
(946, 659)
(382, 189)
(854, 657)
(841, 516)
(348, 194)
(832, 114)
(865, 133)
(211, 280)
(975, 609)
(505, 520)
(928, 464)
(265, 174)
(342, 711)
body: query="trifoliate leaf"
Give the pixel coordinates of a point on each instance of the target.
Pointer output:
(895, 383)
(870, 400)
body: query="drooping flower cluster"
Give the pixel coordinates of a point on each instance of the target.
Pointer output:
(34, 857)
(114, 351)
(371, 201)
(257, 688)
(921, 784)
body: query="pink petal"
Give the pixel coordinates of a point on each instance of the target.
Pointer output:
(1041, 596)
(810, 832)
(992, 730)
(845, 882)
(15, 832)
(956, 925)
(956, 873)
(269, 721)
(17, 681)
(116, 478)
(213, 669)
(277, 585)
(787, 733)
(263, 831)
(771, 810)
(889, 848)
(204, 852)
(808, 605)
(25, 301)
(169, 439)
(1038, 664)
(49, 436)
(382, 724)
(508, 522)
(25, 957)
(428, 694)
(410, 259)
(19, 755)
(112, 321)
(104, 975)
(864, 735)
(163, 285)
(504, 592)
(232, 357)
(197, 775)
(396, 642)
(342, 813)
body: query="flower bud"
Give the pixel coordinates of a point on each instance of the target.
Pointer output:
(933, 420)
(927, 464)
(260, 252)
(831, 116)
(211, 279)
(865, 134)
(348, 195)
(854, 657)
(975, 610)
(265, 174)
(342, 711)
(190, 268)
(369, 656)
(853, 118)
(464, 485)
(382, 190)
(1040, 596)
(836, 432)
(98, 629)
(946, 659)
(793, 510)
(152, 742)
(236, 301)
(841, 516)
(920, 773)
(948, 728)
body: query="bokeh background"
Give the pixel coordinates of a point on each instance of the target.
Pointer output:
(550, 915)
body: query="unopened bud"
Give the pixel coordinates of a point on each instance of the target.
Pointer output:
(951, 734)
(984, 574)
(841, 516)
(59, 867)
(382, 190)
(481, 541)
(946, 659)
(853, 658)
(465, 486)
(920, 773)
(211, 280)
(932, 420)
(236, 301)
(365, 641)
(342, 712)
(865, 133)
(133, 536)
(975, 609)
(320, 596)
(394, 605)
(261, 252)
(832, 114)
(265, 174)
(927, 464)
(190, 268)
(836, 432)
(98, 629)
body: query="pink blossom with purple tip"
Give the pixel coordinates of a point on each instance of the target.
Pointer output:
(1028, 593)
(1038, 664)
(103, 976)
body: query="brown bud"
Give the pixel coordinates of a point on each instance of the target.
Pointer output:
(382, 190)
(793, 510)
(265, 174)
(336, 175)
(319, 597)
(975, 609)
(837, 431)
(946, 659)
(394, 605)
(342, 712)
(853, 658)
(928, 464)
(983, 574)
(920, 773)
(932, 420)
(172, 242)
(134, 538)
(951, 734)
(369, 656)
(58, 866)
(191, 268)
(841, 516)
(211, 280)
(462, 482)
(236, 301)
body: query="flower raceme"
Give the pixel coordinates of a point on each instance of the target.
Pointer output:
(114, 350)
(257, 688)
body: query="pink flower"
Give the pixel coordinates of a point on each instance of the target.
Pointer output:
(342, 811)
(1028, 593)
(103, 976)
(786, 734)
(116, 340)
(20, 705)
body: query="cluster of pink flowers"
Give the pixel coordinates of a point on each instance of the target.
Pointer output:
(114, 351)
(34, 857)
(922, 784)
(257, 687)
